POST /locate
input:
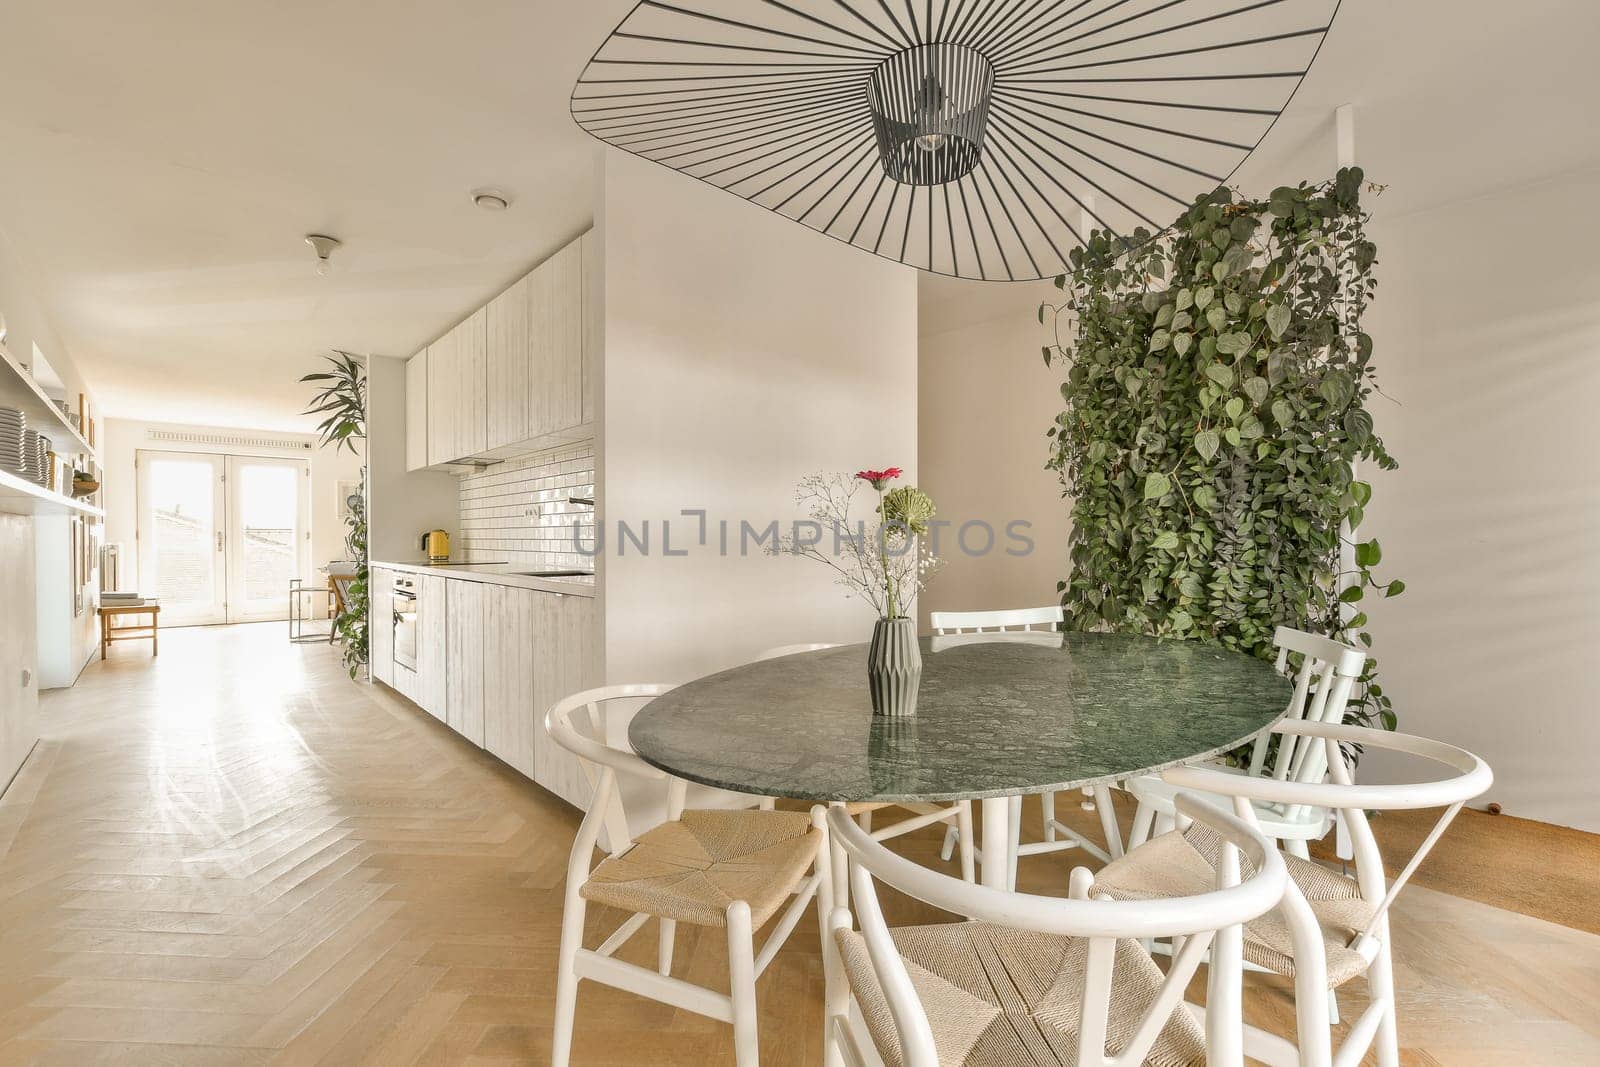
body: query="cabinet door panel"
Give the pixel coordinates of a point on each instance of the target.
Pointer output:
(464, 659)
(562, 663)
(432, 634)
(380, 623)
(591, 324)
(443, 386)
(557, 349)
(472, 394)
(417, 411)
(508, 368)
(508, 691)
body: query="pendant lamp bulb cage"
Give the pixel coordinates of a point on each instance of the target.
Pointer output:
(929, 107)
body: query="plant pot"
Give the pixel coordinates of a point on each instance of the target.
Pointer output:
(894, 668)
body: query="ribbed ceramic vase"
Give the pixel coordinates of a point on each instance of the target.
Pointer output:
(894, 667)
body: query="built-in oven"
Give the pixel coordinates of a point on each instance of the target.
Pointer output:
(403, 608)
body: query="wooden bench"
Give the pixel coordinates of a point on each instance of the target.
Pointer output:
(110, 633)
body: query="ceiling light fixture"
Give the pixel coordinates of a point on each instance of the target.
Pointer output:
(976, 138)
(491, 199)
(324, 246)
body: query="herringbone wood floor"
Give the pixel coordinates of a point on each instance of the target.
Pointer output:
(235, 855)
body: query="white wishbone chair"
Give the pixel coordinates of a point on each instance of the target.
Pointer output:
(1041, 980)
(1057, 836)
(1322, 684)
(730, 869)
(1330, 928)
(957, 814)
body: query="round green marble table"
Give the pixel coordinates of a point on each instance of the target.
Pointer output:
(998, 715)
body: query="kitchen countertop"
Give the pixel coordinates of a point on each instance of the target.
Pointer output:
(495, 574)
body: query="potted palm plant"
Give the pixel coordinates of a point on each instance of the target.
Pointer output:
(342, 400)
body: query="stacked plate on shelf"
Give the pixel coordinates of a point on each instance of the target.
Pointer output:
(35, 457)
(13, 426)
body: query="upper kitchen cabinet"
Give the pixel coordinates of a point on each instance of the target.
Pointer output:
(516, 377)
(458, 390)
(417, 411)
(536, 354)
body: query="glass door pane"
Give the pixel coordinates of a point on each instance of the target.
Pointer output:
(180, 535)
(267, 534)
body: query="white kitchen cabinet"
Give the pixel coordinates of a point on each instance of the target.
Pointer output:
(417, 411)
(464, 658)
(432, 631)
(517, 375)
(556, 344)
(380, 625)
(458, 391)
(563, 663)
(509, 700)
(593, 328)
(510, 326)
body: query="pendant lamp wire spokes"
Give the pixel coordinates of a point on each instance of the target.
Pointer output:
(975, 138)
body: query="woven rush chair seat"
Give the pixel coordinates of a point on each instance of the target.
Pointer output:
(693, 868)
(995, 995)
(1179, 863)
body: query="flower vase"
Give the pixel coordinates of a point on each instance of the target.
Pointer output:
(894, 667)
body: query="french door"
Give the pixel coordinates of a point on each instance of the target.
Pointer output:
(221, 536)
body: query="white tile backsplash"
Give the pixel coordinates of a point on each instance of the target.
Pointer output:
(517, 511)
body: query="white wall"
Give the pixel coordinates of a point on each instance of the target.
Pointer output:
(125, 437)
(1487, 334)
(985, 400)
(742, 352)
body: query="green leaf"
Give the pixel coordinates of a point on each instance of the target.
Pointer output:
(1185, 298)
(1206, 442)
(1361, 493)
(1046, 351)
(1159, 340)
(1351, 595)
(1041, 314)
(1216, 317)
(1282, 413)
(1203, 297)
(1164, 315)
(1220, 373)
(1395, 588)
(1277, 319)
(1181, 620)
(1368, 553)
(1234, 408)
(1232, 344)
(1156, 485)
(1166, 540)
(1205, 497)
(1256, 388)
(1182, 342)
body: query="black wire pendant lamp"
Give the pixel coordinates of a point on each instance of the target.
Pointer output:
(973, 138)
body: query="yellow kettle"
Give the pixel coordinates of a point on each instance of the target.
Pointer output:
(436, 545)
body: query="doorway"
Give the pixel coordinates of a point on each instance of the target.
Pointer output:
(220, 536)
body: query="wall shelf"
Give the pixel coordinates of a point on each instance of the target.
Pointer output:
(19, 390)
(18, 496)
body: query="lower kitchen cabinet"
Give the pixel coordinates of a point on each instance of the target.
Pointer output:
(464, 658)
(491, 659)
(380, 625)
(432, 630)
(538, 647)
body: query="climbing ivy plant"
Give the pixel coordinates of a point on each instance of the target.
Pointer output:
(1217, 380)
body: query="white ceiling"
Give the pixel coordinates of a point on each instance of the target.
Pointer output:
(160, 162)
(1454, 99)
